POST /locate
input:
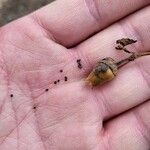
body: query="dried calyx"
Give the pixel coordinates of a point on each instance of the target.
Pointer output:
(107, 68)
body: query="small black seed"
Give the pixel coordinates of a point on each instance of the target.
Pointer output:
(11, 95)
(46, 90)
(55, 82)
(78, 60)
(58, 80)
(79, 63)
(79, 66)
(34, 107)
(61, 70)
(66, 78)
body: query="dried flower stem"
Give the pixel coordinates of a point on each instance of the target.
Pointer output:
(107, 68)
(131, 58)
(122, 43)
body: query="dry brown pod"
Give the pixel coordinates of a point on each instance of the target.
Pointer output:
(104, 71)
(107, 68)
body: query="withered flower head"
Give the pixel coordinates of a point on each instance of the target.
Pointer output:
(106, 69)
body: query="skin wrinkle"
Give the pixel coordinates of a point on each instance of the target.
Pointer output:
(38, 128)
(56, 124)
(142, 73)
(34, 130)
(25, 50)
(137, 33)
(106, 138)
(142, 125)
(8, 83)
(107, 105)
(20, 48)
(2, 62)
(104, 102)
(48, 34)
(37, 125)
(5, 70)
(45, 86)
(33, 103)
(93, 9)
(101, 121)
(68, 115)
(17, 125)
(68, 82)
(3, 103)
(61, 119)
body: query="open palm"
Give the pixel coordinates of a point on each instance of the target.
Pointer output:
(37, 114)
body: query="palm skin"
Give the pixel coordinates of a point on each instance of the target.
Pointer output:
(69, 115)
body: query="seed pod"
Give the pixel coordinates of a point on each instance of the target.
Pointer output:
(104, 71)
(125, 41)
(107, 68)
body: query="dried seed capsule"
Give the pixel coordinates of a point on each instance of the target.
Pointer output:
(125, 41)
(104, 71)
(107, 68)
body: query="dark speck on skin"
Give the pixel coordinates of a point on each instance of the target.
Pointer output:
(34, 107)
(47, 90)
(61, 70)
(79, 63)
(55, 82)
(66, 78)
(11, 95)
(78, 60)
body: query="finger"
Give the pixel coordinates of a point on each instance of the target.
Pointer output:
(72, 21)
(103, 44)
(131, 130)
(132, 84)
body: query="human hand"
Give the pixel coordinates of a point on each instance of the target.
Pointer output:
(37, 114)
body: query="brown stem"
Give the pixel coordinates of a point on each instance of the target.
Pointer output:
(131, 58)
(142, 54)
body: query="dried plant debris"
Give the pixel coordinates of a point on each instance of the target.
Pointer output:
(79, 63)
(107, 68)
(124, 42)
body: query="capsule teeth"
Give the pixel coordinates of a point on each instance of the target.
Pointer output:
(89, 79)
(87, 82)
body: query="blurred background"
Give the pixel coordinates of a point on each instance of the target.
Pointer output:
(13, 9)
